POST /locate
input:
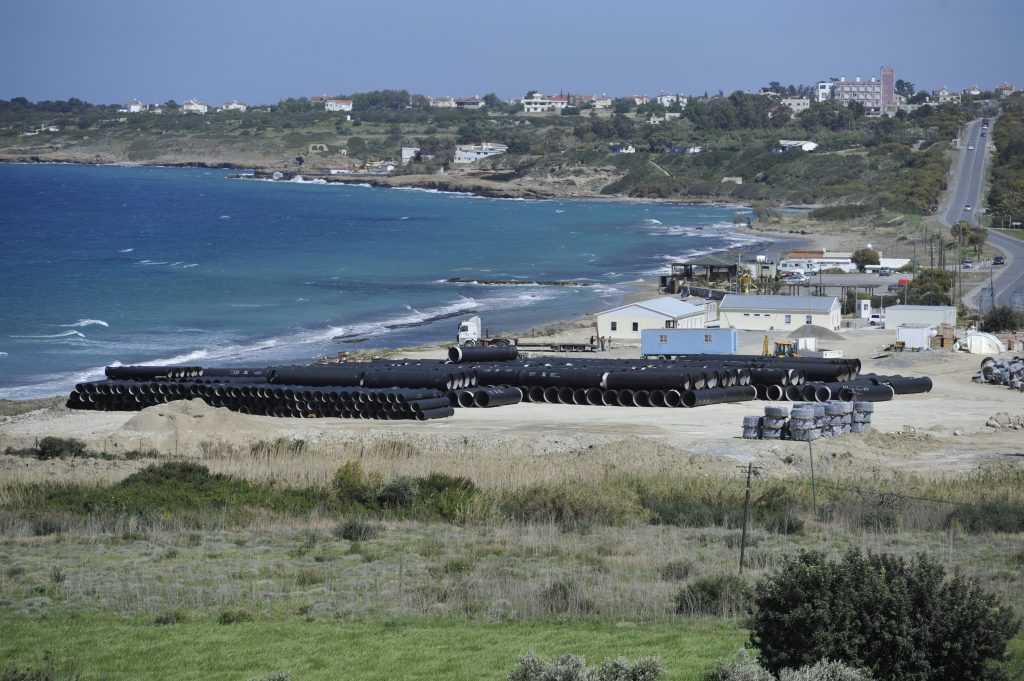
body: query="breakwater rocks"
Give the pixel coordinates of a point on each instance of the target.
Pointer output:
(514, 282)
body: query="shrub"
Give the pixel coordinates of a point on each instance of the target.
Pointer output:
(52, 670)
(845, 212)
(569, 667)
(439, 483)
(401, 492)
(676, 570)
(234, 617)
(878, 519)
(357, 528)
(996, 516)
(723, 595)
(775, 511)
(897, 619)
(743, 667)
(170, 617)
(308, 577)
(565, 596)
(572, 505)
(350, 484)
(59, 448)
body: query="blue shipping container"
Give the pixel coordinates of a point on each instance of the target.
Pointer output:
(654, 342)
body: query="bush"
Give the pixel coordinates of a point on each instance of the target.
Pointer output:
(743, 667)
(170, 617)
(899, 620)
(570, 667)
(401, 492)
(1002, 318)
(350, 484)
(723, 595)
(996, 516)
(234, 617)
(878, 519)
(572, 505)
(565, 596)
(676, 570)
(357, 528)
(845, 212)
(60, 448)
(52, 670)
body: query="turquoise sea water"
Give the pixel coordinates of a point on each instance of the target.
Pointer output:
(107, 264)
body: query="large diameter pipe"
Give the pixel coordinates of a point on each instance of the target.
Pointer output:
(498, 396)
(873, 393)
(439, 413)
(493, 353)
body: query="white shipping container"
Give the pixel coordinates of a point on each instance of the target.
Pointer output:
(915, 336)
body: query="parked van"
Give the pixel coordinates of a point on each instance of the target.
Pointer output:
(884, 271)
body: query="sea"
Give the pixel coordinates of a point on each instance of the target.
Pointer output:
(118, 265)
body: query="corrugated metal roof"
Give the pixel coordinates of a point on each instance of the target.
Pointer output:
(924, 308)
(710, 261)
(666, 306)
(733, 301)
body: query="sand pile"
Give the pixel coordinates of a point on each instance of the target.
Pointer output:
(183, 416)
(819, 332)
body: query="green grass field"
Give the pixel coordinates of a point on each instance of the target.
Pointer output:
(1015, 233)
(113, 648)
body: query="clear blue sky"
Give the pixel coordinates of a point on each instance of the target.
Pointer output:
(260, 51)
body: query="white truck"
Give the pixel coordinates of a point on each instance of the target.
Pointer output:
(471, 332)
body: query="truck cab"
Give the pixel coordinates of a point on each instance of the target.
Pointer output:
(469, 331)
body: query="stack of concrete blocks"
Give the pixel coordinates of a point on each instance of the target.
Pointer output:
(809, 421)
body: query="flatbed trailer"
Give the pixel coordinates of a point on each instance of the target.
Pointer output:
(533, 345)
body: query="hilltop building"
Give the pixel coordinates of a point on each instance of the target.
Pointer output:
(194, 106)
(470, 153)
(337, 105)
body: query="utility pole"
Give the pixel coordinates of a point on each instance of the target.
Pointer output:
(746, 515)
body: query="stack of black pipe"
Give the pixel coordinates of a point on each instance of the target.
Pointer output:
(491, 377)
(248, 391)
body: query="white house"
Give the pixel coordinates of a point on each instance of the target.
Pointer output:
(470, 153)
(338, 105)
(469, 103)
(234, 105)
(667, 100)
(538, 103)
(626, 322)
(134, 106)
(778, 313)
(409, 154)
(442, 102)
(796, 104)
(194, 106)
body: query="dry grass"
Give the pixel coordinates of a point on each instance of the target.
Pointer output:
(278, 568)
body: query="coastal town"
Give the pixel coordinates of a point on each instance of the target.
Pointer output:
(330, 350)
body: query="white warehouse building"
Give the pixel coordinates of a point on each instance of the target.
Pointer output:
(778, 313)
(626, 322)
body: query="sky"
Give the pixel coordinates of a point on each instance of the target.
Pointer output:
(259, 52)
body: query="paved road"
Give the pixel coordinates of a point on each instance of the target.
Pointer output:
(1011, 277)
(968, 177)
(965, 188)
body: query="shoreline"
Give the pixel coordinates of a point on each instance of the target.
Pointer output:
(463, 183)
(645, 286)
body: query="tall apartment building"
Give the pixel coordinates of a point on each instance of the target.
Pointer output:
(878, 95)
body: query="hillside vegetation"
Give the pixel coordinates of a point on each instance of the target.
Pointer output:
(898, 163)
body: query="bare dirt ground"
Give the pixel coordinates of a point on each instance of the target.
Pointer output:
(944, 432)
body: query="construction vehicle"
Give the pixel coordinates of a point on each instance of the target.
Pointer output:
(783, 348)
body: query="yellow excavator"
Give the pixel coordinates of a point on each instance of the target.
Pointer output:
(783, 348)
